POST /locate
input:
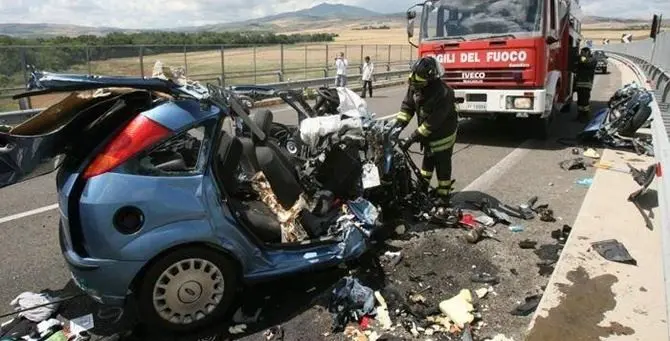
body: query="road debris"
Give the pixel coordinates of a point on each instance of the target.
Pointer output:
(482, 292)
(459, 308)
(35, 307)
(527, 244)
(383, 312)
(484, 277)
(613, 251)
(275, 333)
(585, 182)
(529, 306)
(349, 301)
(237, 329)
(516, 228)
(573, 164)
(591, 153)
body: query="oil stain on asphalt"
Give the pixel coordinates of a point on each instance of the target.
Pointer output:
(582, 308)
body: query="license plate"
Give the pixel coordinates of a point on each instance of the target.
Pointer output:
(370, 176)
(474, 106)
(522, 115)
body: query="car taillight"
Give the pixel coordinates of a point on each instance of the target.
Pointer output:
(140, 133)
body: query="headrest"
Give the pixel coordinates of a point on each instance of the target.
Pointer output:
(263, 119)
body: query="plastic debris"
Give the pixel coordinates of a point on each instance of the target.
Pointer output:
(482, 292)
(485, 220)
(29, 300)
(383, 312)
(613, 251)
(349, 301)
(459, 308)
(591, 153)
(585, 182)
(417, 298)
(81, 324)
(237, 329)
(516, 228)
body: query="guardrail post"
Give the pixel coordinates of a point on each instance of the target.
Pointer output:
(142, 61)
(326, 57)
(305, 69)
(280, 76)
(223, 65)
(281, 58)
(88, 59)
(219, 80)
(185, 62)
(388, 62)
(362, 61)
(24, 66)
(255, 76)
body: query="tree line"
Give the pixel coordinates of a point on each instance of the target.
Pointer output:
(60, 53)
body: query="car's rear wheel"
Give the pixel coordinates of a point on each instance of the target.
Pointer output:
(187, 289)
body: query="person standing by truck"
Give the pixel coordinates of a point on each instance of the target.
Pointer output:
(341, 65)
(585, 69)
(434, 103)
(366, 76)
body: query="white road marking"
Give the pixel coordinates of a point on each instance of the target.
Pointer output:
(55, 206)
(484, 181)
(28, 213)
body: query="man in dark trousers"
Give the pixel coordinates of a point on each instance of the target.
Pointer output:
(437, 119)
(585, 70)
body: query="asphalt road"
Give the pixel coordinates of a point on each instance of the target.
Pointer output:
(493, 159)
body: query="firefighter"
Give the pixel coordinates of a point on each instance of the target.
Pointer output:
(585, 69)
(437, 119)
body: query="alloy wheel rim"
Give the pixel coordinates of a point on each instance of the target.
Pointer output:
(188, 291)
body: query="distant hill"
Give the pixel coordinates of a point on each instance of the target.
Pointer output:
(52, 30)
(325, 16)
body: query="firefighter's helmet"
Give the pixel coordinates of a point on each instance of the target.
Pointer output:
(424, 70)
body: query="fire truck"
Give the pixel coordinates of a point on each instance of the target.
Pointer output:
(503, 58)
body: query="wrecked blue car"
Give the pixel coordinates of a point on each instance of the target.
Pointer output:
(161, 205)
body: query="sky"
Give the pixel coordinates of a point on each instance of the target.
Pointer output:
(173, 13)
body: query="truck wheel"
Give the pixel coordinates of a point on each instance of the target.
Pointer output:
(187, 289)
(541, 127)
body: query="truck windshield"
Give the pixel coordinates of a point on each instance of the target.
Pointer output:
(471, 19)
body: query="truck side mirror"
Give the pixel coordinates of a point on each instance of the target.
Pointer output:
(551, 39)
(655, 26)
(411, 15)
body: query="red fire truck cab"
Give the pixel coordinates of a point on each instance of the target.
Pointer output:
(503, 57)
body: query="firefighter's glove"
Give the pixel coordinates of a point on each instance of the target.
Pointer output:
(406, 143)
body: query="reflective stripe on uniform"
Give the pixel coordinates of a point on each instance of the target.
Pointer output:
(443, 143)
(403, 116)
(443, 191)
(426, 174)
(583, 107)
(588, 85)
(423, 129)
(444, 183)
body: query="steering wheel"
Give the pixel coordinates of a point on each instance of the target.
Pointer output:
(325, 93)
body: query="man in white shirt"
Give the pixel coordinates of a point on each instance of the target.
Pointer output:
(341, 65)
(366, 76)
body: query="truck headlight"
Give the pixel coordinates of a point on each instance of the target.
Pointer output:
(519, 102)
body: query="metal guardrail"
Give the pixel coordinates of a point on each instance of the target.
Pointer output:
(658, 79)
(16, 117)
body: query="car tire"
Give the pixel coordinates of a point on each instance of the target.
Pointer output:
(196, 271)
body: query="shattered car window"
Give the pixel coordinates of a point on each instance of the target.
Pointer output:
(177, 156)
